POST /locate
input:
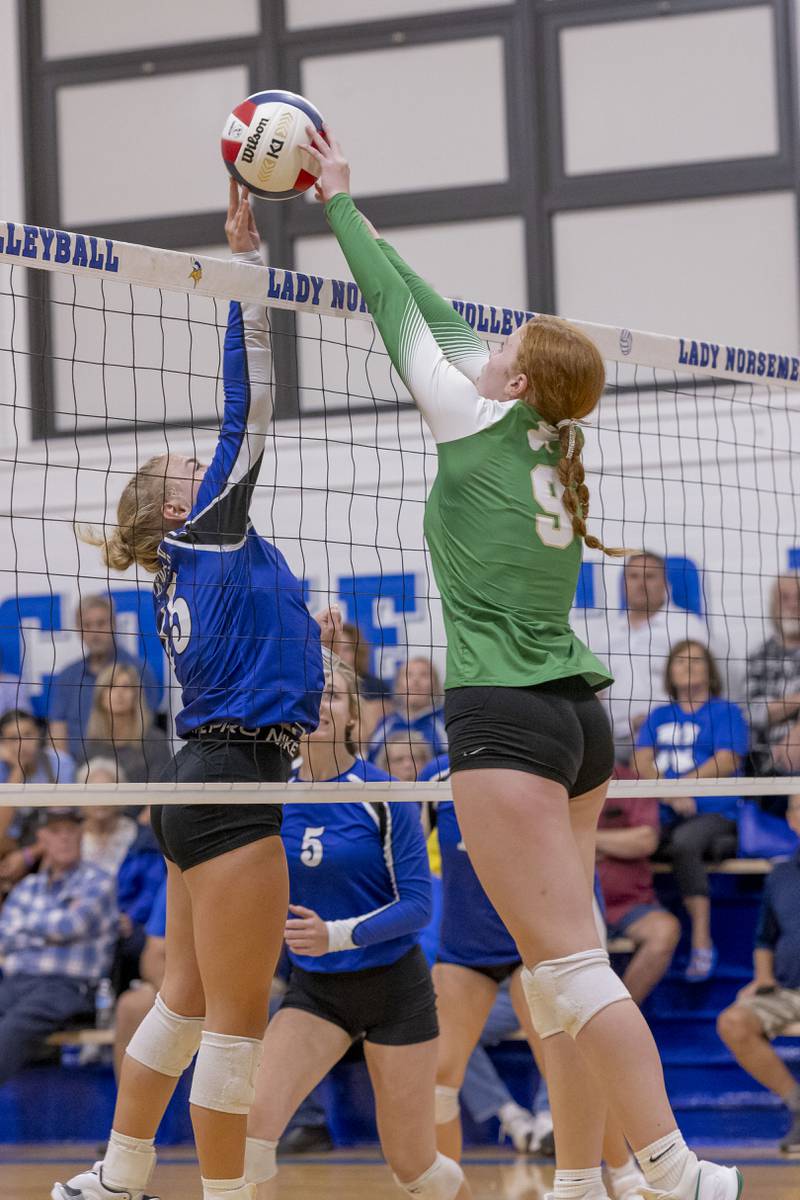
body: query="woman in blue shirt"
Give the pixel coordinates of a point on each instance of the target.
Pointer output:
(361, 893)
(697, 736)
(247, 655)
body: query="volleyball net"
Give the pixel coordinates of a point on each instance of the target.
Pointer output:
(112, 353)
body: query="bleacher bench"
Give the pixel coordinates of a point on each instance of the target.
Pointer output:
(81, 1037)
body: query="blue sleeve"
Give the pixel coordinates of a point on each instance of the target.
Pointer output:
(732, 732)
(407, 859)
(767, 929)
(157, 921)
(138, 882)
(62, 698)
(647, 730)
(221, 511)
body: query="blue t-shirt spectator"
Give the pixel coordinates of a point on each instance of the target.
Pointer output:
(682, 741)
(141, 877)
(779, 922)
(157, 921)
(72, 693)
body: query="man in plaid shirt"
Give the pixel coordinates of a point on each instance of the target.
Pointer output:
(58, 930)
(773, 684)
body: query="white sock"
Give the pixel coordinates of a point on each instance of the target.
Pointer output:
(625, 1178)
(579, 1185)
(509, 1110)
(128, 1163)
(228, 1189)
(665, 1161)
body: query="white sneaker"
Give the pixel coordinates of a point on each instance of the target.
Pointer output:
(702, 1181)
(89, 1186)
(519, 1126)
(543, 1124)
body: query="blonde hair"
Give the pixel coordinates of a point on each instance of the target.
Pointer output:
(348, 675)
(140, 520)
(566, 377)
(102, 725)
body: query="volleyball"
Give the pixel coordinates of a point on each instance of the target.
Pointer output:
(262, 144)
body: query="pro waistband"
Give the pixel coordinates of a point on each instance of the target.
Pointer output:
(285, 737)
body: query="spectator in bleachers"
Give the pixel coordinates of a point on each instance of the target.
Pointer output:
(403, 758)
(771, 1002)
(636, 644)
(697, 736)
(25, 756)
(121, 728)
(140, 878)
(108, 832)
(374, 694)
(773, 684)
(57, 934)
(417, 708)
(13, 692)
(135, 1003)
(73, 688)
(627, 837)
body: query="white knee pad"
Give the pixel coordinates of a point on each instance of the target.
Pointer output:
(541, 1000)
(166, 1042)
(442, 1181)
(446, 1106)
(260, 1163)
(225, 1072)
(579, 986)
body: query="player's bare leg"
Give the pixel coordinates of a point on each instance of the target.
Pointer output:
(464, 1000)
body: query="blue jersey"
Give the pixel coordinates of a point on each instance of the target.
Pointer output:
(427, 727)
(682, 741)
(228, 608)
(472, 933)
(364, 864)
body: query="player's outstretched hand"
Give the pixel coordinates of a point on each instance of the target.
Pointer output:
(240, 225)
(306, 932)
(330, 625)
(334, 167)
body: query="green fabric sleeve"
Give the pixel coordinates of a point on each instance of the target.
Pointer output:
(458, 341)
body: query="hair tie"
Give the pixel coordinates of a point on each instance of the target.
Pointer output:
(573, 427)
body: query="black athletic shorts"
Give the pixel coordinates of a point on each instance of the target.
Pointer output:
(190, 834)
(497, 972)
(557, 730)
(393, 1005)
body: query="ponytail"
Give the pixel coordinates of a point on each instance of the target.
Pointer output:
(576, 494)
(140, 521)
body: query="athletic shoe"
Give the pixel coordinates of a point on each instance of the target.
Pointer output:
(519, 1126)
(89, 1186)
(790, 1144)
(306, 1139)
(702, 1181)
(702, 965)
(544, 1132)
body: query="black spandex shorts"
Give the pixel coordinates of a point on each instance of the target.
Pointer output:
(557, 730)
(190, 834)
(497, 972)
(393, 1005)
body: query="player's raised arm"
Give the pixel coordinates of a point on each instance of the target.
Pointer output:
(448, 400)
(221, 510)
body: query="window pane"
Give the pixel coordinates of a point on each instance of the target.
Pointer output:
(675, 89)
(82, 27)
(723, 269)
(476, 260)
(113, 168)
(302, 13)
(452, 93)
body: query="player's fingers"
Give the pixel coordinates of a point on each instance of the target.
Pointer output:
(233, 198)
(301, 911)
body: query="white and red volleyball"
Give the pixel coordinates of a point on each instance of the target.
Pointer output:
(262, 140)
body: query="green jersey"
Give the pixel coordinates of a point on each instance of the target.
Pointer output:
(504, 554)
